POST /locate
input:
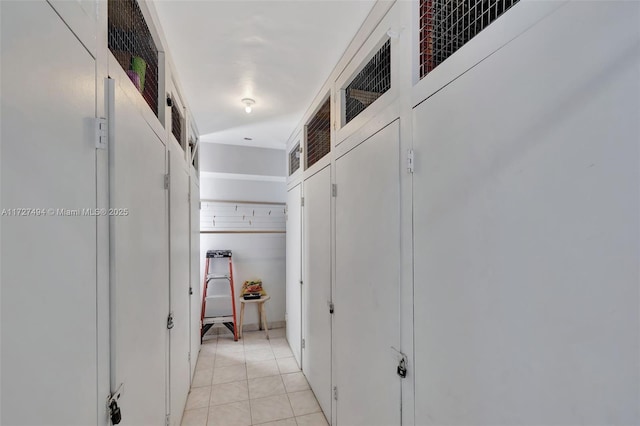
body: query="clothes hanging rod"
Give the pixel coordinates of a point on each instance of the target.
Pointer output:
(243, 232)
(267, 203)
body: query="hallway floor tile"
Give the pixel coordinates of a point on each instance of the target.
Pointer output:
(253, 381)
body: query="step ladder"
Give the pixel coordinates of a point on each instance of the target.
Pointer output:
(218, 297)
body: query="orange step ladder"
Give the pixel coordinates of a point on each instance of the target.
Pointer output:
(218, 301)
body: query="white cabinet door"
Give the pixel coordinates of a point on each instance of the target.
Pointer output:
(179, 368)
(196, 279)
(139, 263)
(367, 289)
(316, 288)
(526, 229)
(294, 274)
(48, 261)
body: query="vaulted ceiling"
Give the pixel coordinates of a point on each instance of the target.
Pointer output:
(277, 52)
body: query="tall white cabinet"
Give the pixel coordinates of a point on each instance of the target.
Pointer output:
(367, 286)
(316, 286)
(139, 241)
(526, 250)
(93, 302)
(48, 303)
(294, 272)
(180, 296)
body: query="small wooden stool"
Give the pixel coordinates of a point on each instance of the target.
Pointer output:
(262, 315)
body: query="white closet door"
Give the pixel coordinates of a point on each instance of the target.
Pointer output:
(139, 268)
(294, 273)
(367, 318)
(48, 261)
(316, 288)
(196, 279)
(526, 229)
(179, 368)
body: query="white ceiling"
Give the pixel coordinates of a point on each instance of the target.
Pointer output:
(278, 52)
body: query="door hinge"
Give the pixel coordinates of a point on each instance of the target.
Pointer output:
(167, 179)
(167, 420)
(170, 321)
(331, 308)
(199, 205)
(189, 357)
(301, 201)
(303, 344)
(300, 282)
(102, 133)
(335, 393)
(190, 291)
(410, 161)
(334, 190)
(112, 405)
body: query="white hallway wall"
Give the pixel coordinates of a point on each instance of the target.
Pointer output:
(240, 173)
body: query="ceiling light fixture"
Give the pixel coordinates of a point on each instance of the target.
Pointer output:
(247, 104)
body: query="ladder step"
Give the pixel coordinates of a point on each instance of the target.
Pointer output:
(214, 297)
(217, 277)
(217, 320)
(218, 253)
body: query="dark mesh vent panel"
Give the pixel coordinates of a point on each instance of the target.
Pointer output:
(319, 134)
(446, 25)
(369, 84)
(294, 159)
(176, 123)
(131, 43)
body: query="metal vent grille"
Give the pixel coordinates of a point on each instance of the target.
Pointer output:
(369, 84)
(446, 25)
(294, 159)
(319, 134)
(131, 43)
(176, 124)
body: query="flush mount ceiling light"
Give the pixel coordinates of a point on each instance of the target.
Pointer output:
(247, 104)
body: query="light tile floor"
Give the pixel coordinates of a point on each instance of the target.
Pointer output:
(253, 381)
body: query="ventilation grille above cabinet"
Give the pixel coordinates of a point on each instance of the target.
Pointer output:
(193, 144)
(369, 84)
(319, 134)
(131, 43)
(446, 25)
(294, 159)
(176, 123)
